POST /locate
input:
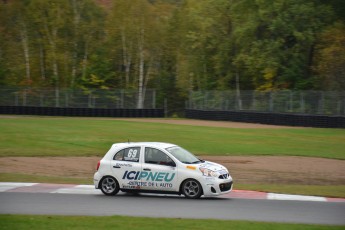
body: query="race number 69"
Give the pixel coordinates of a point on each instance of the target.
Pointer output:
(132, 153)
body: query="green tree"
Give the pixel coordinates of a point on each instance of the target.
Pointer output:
(282, 35)
(330, 58)
(137, 30)
(173, 46)
(16, 40)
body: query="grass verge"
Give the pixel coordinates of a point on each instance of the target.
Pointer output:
(337, 191)
(64, 136)
(120, 222)
(17, 177)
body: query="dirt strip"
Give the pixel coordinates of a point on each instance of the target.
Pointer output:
(193, 122)
(245, 170)
(223, 124)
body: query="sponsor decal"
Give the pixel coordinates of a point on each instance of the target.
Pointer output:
(140, 179)
(123, 165)
(132, 155)
(210, 178)
(190, 167)
(211, 166)
(139, 185)
(212, 170)
(148, 176)
(223, 172)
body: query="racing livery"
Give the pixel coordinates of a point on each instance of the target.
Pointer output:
(156, 167)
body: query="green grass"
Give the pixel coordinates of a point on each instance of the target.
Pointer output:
(120, 222)
(18, 177)
(60, 136)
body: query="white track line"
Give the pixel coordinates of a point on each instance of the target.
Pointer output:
(275, 196)
(4, 186)
(79, 189)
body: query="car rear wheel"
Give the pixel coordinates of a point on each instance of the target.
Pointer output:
(191, 189)
(109, 186)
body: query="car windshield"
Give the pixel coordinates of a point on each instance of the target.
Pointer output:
(183, 155)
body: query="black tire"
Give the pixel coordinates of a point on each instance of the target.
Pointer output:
(109, 186)
(191, 189)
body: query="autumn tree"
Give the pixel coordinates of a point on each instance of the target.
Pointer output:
(136, 31)
(282, 37)
(330, 58)
(172, 46)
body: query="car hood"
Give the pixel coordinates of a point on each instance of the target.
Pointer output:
(212, 166)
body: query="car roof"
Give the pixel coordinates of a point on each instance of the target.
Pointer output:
(150, 144)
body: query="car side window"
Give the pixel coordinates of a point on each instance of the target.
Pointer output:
(129, 154)
(155, 156)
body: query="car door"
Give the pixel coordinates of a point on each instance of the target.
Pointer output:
(126, 167)
(159, 171)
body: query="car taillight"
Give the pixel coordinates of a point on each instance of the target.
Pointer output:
(98, 164)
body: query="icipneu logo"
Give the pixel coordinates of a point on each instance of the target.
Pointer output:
(148, 176)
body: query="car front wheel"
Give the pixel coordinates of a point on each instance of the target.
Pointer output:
(109, 186)
(191, 189)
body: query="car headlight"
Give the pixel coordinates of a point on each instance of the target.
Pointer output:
(208, 172)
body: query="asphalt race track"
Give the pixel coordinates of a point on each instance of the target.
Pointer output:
(291, 211)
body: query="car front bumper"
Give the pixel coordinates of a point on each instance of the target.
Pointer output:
(216, 187)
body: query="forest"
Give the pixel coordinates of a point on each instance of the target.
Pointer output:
(173, 46)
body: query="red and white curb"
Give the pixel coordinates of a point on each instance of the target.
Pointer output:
(48, 188)
(90, 190)
(245, 194)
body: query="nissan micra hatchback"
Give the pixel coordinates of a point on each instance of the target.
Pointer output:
(159, 168)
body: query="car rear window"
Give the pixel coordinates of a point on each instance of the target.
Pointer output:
(129, 154)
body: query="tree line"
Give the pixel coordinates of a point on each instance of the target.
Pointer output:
(173, 46)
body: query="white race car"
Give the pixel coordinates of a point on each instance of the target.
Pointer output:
(155, 167)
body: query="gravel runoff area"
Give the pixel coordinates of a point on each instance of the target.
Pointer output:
(245, 169)
(223, 124)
